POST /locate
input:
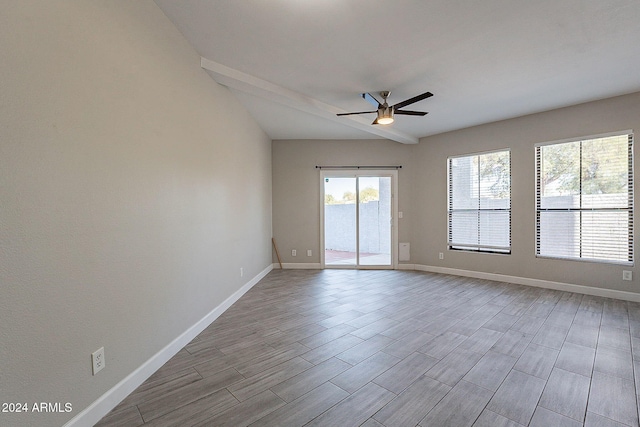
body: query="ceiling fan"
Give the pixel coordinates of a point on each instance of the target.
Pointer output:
(386, 112)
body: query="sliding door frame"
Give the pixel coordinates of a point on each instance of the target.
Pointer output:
(357, 173)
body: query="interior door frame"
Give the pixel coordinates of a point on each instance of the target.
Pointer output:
(355, 173)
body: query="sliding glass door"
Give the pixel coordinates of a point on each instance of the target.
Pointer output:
(358, 223)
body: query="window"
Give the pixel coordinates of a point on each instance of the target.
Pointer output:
(584, 199)
(479, 202)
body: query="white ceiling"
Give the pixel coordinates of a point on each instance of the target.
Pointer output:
(295, 63)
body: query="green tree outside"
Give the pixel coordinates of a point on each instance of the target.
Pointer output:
(368, 194)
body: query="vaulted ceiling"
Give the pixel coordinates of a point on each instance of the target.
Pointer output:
(294, 64)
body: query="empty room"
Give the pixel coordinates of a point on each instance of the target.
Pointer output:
(319, 213)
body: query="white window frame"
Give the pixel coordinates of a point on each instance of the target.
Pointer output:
(630, 208)
(479, 248)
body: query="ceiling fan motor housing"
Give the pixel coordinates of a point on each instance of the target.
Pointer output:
(385, 111)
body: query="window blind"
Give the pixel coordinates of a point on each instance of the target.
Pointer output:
(479, 202)
(584, 199)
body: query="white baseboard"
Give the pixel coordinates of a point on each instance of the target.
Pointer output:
(105, 403)
(559, 286)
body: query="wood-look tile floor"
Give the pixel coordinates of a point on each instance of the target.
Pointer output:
(400, 348)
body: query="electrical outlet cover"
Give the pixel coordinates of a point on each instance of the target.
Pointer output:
(97, 360)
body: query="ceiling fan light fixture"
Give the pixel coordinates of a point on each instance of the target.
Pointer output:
(385, 116)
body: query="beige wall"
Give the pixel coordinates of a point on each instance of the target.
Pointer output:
(296, 187)
(423, 190)
(132, 190)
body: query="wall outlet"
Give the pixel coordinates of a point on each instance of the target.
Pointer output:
(309, 253)
(294, 252)
(97, 360)
(241, 271)
(441, 255)
(627, 275)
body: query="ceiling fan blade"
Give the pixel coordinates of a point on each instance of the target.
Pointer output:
(411, 113)
(412, 100)
(371, 100)
(359, 112)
